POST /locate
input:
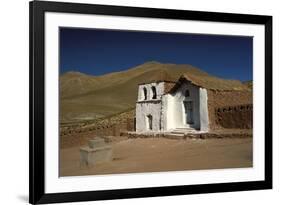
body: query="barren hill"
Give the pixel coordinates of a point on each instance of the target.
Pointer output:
(249, 84)
(85, 97)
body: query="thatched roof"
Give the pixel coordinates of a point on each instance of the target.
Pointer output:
(210, 82)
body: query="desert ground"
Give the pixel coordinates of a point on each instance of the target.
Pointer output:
(162, 154)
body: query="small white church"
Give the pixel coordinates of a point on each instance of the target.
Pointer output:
(164, 106)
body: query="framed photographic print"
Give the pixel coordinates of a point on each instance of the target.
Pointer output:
(140, 102)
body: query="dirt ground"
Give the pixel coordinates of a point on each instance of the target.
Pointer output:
(161, 154)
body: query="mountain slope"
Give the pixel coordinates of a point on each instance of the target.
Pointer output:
(84, 97)
(75, 83)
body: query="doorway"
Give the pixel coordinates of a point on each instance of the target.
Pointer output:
(188, 111)
(149, 122)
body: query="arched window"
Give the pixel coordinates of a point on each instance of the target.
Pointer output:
(186, 94)
(154, 94)
(144, 93)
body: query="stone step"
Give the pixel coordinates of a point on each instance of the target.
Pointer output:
(179, 133)
(176, 134)
(183, 130)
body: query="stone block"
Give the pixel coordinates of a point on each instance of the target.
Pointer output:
(92, 156)
(97, 142)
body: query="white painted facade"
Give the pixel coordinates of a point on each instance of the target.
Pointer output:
(148, 106)
(187, 107)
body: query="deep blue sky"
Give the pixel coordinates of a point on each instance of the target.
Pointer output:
(97, 52)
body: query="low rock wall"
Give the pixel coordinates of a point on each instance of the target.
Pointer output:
(239, 116)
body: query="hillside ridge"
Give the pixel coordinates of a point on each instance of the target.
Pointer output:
(85, 96)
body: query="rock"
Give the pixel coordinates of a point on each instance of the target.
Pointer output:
(97, 142)
(96, 152)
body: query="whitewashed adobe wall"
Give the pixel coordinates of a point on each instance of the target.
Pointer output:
(142, 111)
(204, 114)
(174, 114)
(167, 110)
(159, 89)
(149, 107)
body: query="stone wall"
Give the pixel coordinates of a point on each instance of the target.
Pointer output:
(240, 116)
(226, 133)
(219, 99)
(80, 136)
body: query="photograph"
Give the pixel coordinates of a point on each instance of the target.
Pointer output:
(140, 102)
(134, 101)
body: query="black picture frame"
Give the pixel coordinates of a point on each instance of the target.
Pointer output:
(37, 194)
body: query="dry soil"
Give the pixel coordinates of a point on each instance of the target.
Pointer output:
(160, 154)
